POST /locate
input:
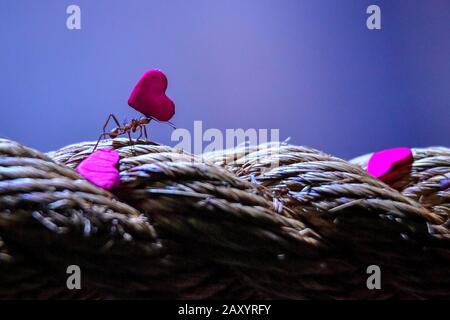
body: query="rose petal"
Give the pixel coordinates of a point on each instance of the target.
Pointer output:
(149, 96)
(100, 168)
(389, 165)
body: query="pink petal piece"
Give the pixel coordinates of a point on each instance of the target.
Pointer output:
(149, 96)
(386, 165)
(100, 168)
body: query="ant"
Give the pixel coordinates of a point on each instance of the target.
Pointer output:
(128, 128)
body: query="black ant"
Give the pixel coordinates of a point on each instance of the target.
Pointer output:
(128, 128)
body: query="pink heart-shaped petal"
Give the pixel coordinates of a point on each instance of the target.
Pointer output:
(100, 168)
(386, 165)
(149, 96)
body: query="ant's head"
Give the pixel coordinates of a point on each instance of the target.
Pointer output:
(144, 120)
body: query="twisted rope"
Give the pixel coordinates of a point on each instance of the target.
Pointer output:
(427, 181)
(269, 221)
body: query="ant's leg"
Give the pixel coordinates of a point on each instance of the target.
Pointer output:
(145, 133)
(140, 132)
(99, 138)
(113, 117)
(103, 130)
(129, 137)
(131, 142)
(104, 134)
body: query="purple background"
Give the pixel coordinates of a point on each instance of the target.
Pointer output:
(310, 68)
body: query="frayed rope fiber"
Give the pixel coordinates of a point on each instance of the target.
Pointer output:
(267, 222)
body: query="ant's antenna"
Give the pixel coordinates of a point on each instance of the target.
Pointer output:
(167, 122)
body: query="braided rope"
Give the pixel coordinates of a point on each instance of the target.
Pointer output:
(428, 180)
(270, 221)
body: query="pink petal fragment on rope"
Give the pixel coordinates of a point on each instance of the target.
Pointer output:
(149, 96)
(386, 165)
(100, 168)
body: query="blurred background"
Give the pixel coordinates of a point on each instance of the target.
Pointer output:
(310, 68)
